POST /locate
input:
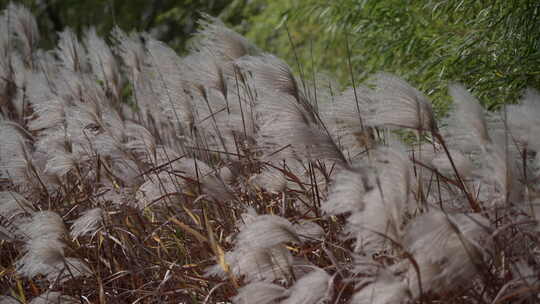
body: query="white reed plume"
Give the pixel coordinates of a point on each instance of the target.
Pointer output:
(13, 204)
(347, 119)
(41, 257)
(260, 293)
(399, 105)
(448, 249)
(385, 204)
(462, 163)
(87, 223)
(103, 63)
(23, 25)
(159, 188)
(9, 300)
(289, 129)
(169, 84)
(523, 119)
(468, 117)
(70, 52)
(257, 264)
(271, 74)
(266, 231)
(386, 289)
(313, 288)
(347, 191)
(13, 153)
(54, 297)
(14, 209)
(69, 268)
(308, 230)
(222, 42)
(44, 225)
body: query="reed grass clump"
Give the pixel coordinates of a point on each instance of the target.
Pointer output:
(129, 174)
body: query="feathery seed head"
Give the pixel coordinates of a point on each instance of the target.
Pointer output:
(398, 104)
(87, 223)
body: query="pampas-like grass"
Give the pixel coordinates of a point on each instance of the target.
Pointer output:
(347, 118)
(53, 297)
(447, 249)
(386, 289)
(102, 62)
(13, 204)
(70, 51)
(468, 117)
(223, 176)
(260, 292)
(222, 42)
(307, 230)
(14, 211)
(87, 223)
(257, 264)
(290, 130)
(69, 268)
(267, 231)
(8, 300)
(24, 26)
(48, 107)
(346, 194)
(382, 214)
(313, 288)
(13, 153)
(523, 119)
(44, 224)
(44, 247)
(169, 84)
(271, 73)
(500, 169)
(157, 189)
(398, 104)
(463, 165)
(42, 256)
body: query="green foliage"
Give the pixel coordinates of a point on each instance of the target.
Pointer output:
(490, 46)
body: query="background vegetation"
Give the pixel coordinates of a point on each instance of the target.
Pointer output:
(492, 47)
(224, 181)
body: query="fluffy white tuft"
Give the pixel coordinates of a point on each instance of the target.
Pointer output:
(313, 288)
(44, 225)
(386, 204)
(70, 268)
(398, 104)
(14, 209)
(53, 297)
(468, 115)
(386, 289)
(289, 129)
(220, 41)
(259, 293)
(23, 24)
(8, 299)
(524, 119)
(463, 164)
(308, 230)
(102, 62)
(271, 74)
(42, 256)
(87, 223)
(347, 191)
(266, 231)
(70, 51)
(447, 248)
